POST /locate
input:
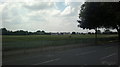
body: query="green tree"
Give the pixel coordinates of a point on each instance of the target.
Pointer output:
(107, 31)
(4, 31)
(40, 32)
(98, 32)
(73, 33)
(95, 15)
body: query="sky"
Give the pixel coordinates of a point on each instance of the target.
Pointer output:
(33, 15)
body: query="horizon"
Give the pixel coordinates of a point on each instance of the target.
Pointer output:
(87, 31)
(37, 15)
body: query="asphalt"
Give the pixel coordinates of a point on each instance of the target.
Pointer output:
(106, 54)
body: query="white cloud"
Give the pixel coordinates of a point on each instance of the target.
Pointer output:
(2, 6)
(39, 5)
(32, 16)
(68, 10)
(44, 0)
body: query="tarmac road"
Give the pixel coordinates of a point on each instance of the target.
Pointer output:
(91, 55)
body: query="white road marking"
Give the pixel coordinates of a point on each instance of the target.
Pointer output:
(50, 55)
(84, 53)
(47, 61)
(108, 63)
(108, 47)
(23, 58)
(108, 56)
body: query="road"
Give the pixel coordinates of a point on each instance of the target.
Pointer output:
(91, 55)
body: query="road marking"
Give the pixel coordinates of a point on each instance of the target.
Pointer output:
(108, 56)
(108, 63)
(86, 53)
(108, 47)
(50, 55)
(23, 58)
(47, 61)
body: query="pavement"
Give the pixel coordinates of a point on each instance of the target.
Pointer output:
(106, 54)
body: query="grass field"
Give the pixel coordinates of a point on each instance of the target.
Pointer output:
(19, 42)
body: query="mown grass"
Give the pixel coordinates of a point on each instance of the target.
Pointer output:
(43, 37)
(19, 42)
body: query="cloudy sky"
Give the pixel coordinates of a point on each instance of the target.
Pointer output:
(35, 15)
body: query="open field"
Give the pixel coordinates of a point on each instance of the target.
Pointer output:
(20, 42)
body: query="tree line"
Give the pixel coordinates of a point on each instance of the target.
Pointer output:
(4, 31)
(21, 32)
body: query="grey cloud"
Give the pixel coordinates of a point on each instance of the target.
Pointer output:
(37, 18)
(39, 6)
(75, 6)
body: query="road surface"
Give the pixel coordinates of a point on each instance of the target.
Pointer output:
(91, 55)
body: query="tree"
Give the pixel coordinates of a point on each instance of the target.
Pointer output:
(73, 33)
(4, 31)
(107, 31)
(98, 32)
(43, 32)
(40, 32)
(21, 32)
(95, 15)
